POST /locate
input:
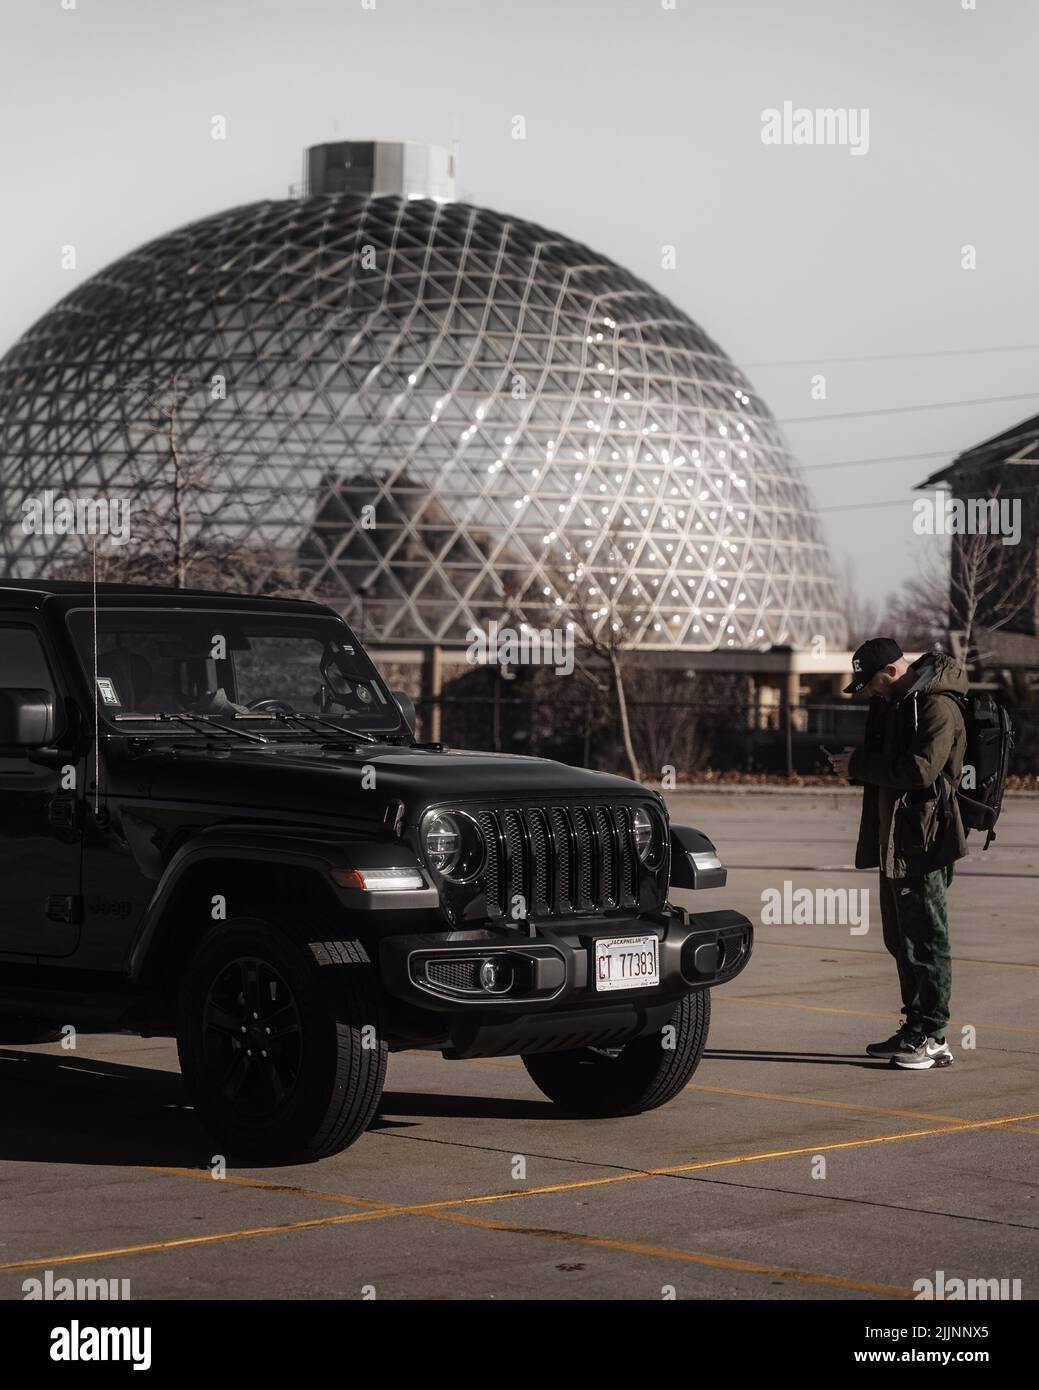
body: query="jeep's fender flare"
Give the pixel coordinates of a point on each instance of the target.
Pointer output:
(278, 846)
(694, 860)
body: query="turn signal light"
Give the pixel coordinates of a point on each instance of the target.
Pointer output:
(706, 861)
(378, 880)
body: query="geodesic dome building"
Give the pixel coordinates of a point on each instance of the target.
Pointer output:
(442, 413)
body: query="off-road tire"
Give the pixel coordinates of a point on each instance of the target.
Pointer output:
(333, 1055)
(640, 1075)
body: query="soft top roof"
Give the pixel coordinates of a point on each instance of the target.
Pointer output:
(34, 593)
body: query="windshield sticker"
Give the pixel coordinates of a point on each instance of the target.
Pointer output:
(106, 689)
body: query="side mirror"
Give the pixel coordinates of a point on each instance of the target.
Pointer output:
(26, 718)
(407, 707)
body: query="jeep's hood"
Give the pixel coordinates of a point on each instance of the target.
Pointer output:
(338, 782)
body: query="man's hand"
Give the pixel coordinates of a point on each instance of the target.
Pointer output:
(839, 761)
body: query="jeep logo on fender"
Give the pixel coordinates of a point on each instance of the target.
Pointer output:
(108, 907)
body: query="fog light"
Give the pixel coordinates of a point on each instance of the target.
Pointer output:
(496, 975)
(701, 960)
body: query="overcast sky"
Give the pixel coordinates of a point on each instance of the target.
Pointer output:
(644, 129)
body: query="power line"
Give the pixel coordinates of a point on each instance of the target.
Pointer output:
(880, 458)
(904, 409)
(862, 506)
(892, 356)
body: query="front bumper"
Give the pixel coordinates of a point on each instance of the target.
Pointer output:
(552, 969)
(553, 1005)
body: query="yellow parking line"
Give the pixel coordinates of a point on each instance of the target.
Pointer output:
(262, 1185)
(853, 1013)
(662, 1252)
(827, 1104)
(418, 1209)
(480, 1223)
(769, 1095)
(843, 1105)
(675, 1169)
(188, 1242)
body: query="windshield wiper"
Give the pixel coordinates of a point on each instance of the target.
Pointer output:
(191, 721)
(303, 718)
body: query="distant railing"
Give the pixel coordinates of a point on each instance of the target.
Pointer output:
(689, 735)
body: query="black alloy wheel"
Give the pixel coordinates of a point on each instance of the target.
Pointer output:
(253, 1038)
(281, 1038)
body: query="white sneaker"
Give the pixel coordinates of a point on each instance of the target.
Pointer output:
(920, 1054)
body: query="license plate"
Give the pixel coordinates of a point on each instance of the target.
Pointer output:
(626, 962)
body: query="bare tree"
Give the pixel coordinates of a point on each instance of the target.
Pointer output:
(961, 591)
(990, 585)
(600, 604)
(919, 613)
(684, 718)
(864, 617)
(177, 494)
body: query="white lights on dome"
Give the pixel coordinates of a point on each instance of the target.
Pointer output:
(517, 368)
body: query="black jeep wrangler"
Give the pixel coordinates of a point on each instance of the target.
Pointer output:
(216, 823)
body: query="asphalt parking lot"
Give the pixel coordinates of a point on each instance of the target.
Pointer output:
(792, 1167)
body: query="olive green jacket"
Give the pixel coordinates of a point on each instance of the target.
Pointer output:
(913, 747)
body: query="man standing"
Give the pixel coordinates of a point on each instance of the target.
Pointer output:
(909, 767)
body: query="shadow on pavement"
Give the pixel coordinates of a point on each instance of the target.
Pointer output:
(438, 1104)
(59, 1108)
(817, 1059)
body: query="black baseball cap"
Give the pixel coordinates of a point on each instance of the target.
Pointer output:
(870, 658)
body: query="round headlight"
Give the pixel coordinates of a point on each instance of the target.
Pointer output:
(442, 841)
(453, 845)
(644, 837)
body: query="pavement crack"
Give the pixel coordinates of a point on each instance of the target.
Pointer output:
(860, 1202)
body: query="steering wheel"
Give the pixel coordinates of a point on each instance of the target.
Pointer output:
(274, 706)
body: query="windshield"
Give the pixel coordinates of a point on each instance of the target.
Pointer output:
(228, 665)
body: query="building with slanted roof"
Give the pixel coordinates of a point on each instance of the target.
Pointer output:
(1003, 467)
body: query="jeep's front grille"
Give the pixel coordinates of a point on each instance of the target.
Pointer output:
(539, 858)
(582, 820)
(544, 861)
(492, 865)
(610, 887)
(515, 855)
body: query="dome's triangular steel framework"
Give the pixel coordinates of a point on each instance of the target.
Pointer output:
(504, 403)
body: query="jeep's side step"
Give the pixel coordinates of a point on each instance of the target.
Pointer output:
(99, 1009)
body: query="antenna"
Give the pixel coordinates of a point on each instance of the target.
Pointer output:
(97, 711)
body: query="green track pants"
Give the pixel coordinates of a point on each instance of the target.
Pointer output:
(916, 932)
